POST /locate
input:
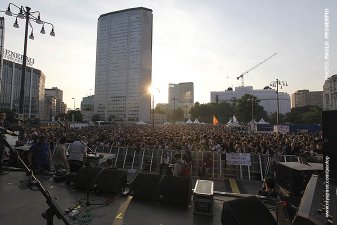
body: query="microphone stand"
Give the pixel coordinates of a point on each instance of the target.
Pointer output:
(89, 185)
(54, 208)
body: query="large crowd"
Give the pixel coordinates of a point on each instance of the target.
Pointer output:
(186, 137)
(48, 142)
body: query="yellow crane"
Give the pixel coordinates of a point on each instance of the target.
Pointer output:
(257, 65)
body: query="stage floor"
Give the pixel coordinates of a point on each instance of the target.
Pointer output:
(23, 206)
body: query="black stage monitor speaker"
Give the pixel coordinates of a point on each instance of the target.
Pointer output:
(329, 128)
(146, 185)
(294, 176)
(111, 181)
(176, 190)
(246, 211)
(86, 176)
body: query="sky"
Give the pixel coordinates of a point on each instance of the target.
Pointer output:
(209, 43)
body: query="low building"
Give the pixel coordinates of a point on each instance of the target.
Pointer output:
(303, 98)
(267, 97)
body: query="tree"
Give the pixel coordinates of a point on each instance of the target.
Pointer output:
(248, 107)
(177, 115)
(78, 117)
(204, 112)
(305, 115)
(273, 118)
(96, 117)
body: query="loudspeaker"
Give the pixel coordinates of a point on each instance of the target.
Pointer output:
(146, 185)
(111, 181)
(176, 190)
(246, 211)
(86, 176)
(329, 128)
(329, 133)
(294, 176)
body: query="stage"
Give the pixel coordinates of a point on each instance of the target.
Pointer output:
(24, 206)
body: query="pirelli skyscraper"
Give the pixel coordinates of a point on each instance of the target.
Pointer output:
(124, 65)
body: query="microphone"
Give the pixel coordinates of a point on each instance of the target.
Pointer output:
(5, 131)
(62, 125)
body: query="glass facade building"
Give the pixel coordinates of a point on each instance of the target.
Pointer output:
(124, 65)
(33, 90)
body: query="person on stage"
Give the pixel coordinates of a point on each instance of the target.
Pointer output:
(60, 155)
(39, 155)
(77, 153)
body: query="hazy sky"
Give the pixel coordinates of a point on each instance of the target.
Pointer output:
(208, 42)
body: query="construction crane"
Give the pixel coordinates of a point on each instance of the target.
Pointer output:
(259, 64)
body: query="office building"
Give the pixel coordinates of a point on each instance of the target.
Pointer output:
(303, 98)
(267, 97)
(58, 95)
(181, 96)
(330, 93)
(87, 108)
(11, 83)
(50, 107)
(124, 65)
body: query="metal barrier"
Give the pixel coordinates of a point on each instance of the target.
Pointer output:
(150, 159)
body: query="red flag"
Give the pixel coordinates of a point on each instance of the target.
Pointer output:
(215, 120)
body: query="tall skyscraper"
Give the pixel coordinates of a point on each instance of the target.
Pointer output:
(124, 65)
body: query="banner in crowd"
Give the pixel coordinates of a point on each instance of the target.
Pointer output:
(242, 159)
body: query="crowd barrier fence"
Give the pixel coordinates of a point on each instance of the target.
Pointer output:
(149, 160)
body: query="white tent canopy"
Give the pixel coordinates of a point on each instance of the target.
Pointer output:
(196, 121)
(141, 123)
(189, 121)
(262, 121)
(233, 122)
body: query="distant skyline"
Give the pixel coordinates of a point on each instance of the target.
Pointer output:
(208, 43)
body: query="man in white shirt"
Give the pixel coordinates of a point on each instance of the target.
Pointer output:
(77, 153)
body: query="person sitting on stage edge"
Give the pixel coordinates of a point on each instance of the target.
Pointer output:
(268, 188)
(77, 153)
(39, 155)
(60, 155)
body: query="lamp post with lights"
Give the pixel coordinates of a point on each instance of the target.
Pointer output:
(28, 15)
(276, 84)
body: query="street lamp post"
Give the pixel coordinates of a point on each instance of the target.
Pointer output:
(276, 84)
(152, 109)
(151, 91)
(174, 109)
(28, 15)
(74, 102)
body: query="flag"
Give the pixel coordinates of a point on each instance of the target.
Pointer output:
(215, 120)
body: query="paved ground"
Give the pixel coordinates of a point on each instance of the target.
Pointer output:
(24, 206)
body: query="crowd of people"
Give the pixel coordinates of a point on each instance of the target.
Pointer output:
(170, 137)
(187, 137)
